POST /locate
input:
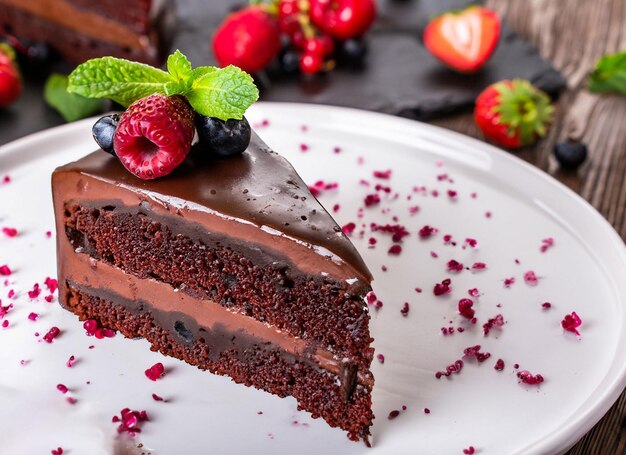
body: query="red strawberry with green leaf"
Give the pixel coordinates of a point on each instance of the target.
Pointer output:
(249, 39)
(10, 81)
(464, 40)
(513, 114)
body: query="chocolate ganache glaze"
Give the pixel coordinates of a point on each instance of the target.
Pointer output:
(236, 196)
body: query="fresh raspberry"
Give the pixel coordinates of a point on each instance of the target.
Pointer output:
(154, 135)
(249, 39)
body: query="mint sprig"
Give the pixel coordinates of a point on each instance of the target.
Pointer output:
(225, 93)
(609, 74)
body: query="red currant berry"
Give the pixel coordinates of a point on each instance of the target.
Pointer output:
(311, 63)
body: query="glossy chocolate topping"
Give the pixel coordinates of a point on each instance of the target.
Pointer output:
(258, 189)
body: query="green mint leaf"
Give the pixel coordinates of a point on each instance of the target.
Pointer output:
(609, 74)
(178, 65)
(121, 80)
(69, 105)
(223, 93)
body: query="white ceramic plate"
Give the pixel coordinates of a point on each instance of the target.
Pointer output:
(584, 272)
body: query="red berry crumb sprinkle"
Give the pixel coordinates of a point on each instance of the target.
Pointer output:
(546, 305)
(70, 362)
(34, 293)
(380, 358)
(455, 368)
(5, 270)
(395, 250)
(156, 397)
(33, 316)
(479, 266)
(405, 309)
(155, 372)
(443, 287)
(57, 451)
(9, 231)
(62, 388)
(530, 278)
(393, 414)
(474, 351)
(371, 199)
(496, 321)
(427, 231)
(469, 451)
(52, 284)
(130, 421)
(384, 175)
(508, 282)
(527, 377)
(474, 292)
(571, 322)
(348, 228)
(499, 366)
(52, 334)
(454, 266)
(426, 411)
(546, 244)
(465, 308)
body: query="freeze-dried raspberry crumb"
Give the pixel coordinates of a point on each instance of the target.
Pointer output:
(9, 231)
(474, 292)
(48, 234)
(465, 308)
(546, 305)
(530, 278)
(397, 231)
(469, 451)
(33, 316)
(546, 244)
(380, 358)
(52, 334)
(393, 414)
(471, 242)
(57, 451)
(370, 297)
(372, 241)
(5, 323)
(527, 377)
(348, 228)
(304, 147)
(571, 322)
(5, 309)
(452, 194)
(414, 209)
(371, 199)
(130, 421)
(496, 321)
(479, 266)
(418, 290)
(155, 372)
(90, 326)
(395, 249)
(336, 208)
(404, 311)
(336, 149)
(70, 362)
(426, 411)
(443, 287)
(433, 254)
(474, 351)
(6, 179)
(454, 266)
(155, 397)
(5, 270)
(488, 214)
(52, 284)
(427, 231)
(455, 368)
(62, 388)
(383, 175)
(34, 293)
(499, 366)
(508, 282)
(49, 298)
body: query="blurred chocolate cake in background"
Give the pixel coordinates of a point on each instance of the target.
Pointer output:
(78, 30)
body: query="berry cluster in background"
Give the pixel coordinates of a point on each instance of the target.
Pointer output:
(306, 36)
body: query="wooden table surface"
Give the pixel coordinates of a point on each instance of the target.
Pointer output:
(573, 34)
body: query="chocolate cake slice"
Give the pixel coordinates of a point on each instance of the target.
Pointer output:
(139, 30)
(230, 265)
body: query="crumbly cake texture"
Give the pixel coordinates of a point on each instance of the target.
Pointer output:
(276, 315)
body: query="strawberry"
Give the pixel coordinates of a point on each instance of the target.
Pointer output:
(249, 39)
(513, 114)
(343, 19)
(154, 135)
(10, 81)
(464, 40)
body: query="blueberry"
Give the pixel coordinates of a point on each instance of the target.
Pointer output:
(570, 154)
(223, 138)
(353, 50)
(103, 131)
(289, 62)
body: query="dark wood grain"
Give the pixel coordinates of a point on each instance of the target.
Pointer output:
(573, 34)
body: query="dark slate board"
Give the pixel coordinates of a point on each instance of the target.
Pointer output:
(400, 77)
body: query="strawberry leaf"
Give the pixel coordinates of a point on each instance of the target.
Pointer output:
(609, 74)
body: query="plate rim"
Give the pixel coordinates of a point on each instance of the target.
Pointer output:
(569, 433)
